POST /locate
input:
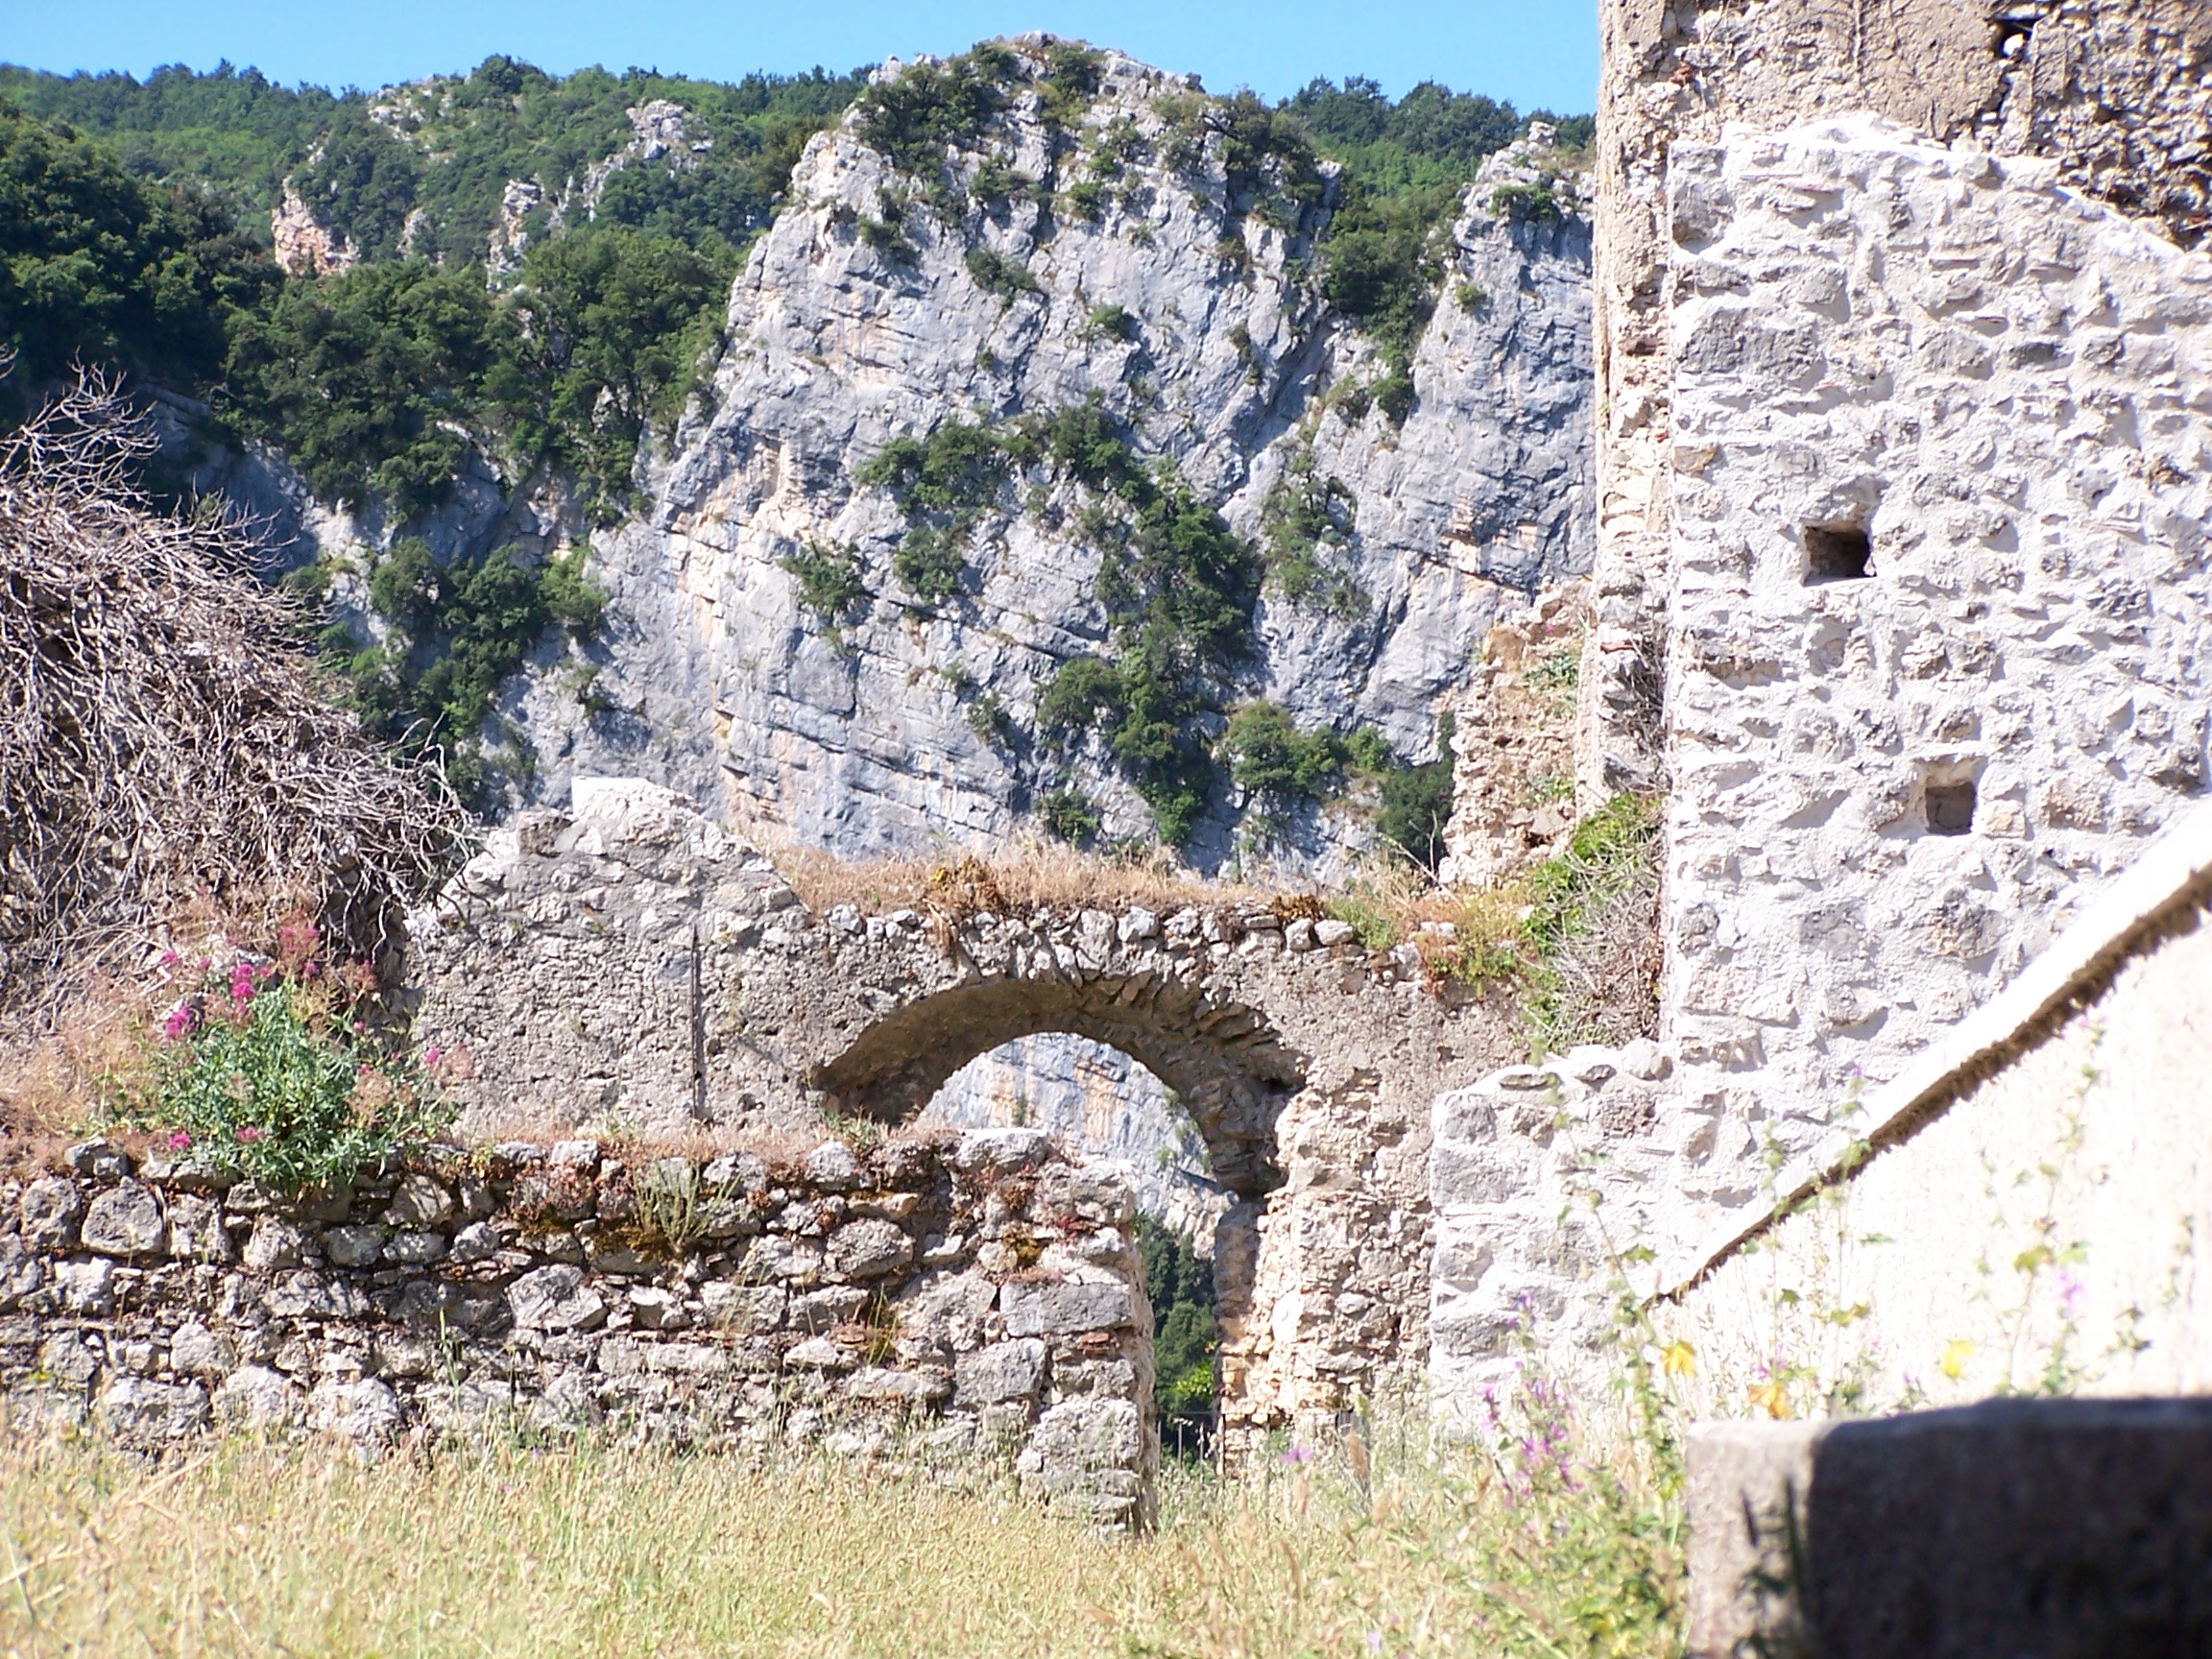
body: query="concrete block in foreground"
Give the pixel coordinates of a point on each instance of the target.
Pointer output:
(2013, 1529)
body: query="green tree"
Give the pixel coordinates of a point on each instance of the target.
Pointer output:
(99, 266)
(606, 339)
(1417, 803)
(363, 378)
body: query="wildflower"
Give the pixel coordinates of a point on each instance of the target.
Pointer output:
(248, 1134)
(1679, 1358)
(170, 959)
(2069, 1295)
(433, 1054)
(179, 1023)
(1294, 1456)
(180, 1141)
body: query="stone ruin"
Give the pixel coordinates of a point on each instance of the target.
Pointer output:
(1901, 602)
(933, 1301)
(630, 964)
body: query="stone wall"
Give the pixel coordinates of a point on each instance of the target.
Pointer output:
(1902, 594)
(2109, 90)
(2037, 1201)
(947, 1298)
(1891, 786)
(631, 967)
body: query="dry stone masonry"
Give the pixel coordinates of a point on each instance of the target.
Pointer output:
(941, 1299)
(631, 967)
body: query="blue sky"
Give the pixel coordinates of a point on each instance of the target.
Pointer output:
(1537, 53)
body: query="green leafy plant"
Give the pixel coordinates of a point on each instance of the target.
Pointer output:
(1110, 323)
(995, 274)
(1418, 802)
(829, 584)
(1275, 762)
(915, 117)
(668, 1213)
(1373, 925)
(1306, 526)
(264, 1071)
(930, 564)
(1525, 204)
(1071, 816)
(1179, 1283)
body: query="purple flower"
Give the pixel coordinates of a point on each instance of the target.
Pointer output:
(1294, 1456)
(180, 1141)
(180, 1022)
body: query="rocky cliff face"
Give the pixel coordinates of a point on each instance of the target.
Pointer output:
(1125, 254)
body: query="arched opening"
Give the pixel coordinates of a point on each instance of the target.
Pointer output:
(1224, 1061)
(1141, 1067)
(1104, 1103)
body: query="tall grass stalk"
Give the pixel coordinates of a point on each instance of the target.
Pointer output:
(242, 1548)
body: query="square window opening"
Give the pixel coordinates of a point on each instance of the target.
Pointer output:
(1951, 808)
(1837, 553)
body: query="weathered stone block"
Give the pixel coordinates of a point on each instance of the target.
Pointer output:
(869, 1249)
(778, 1255)
(1044, 1310)
(1002, 1372)
(354, 1246)
(275, 1244)
(419, 1202)
(126, 1220)
(196, 1230)
(255, 1397)
(742, 1309)
(135, 1409)
(917, 1387)
(49, 1213)
(367, 1413)
(2068, 1530)
(554, 1298)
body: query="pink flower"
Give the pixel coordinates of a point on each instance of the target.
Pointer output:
(180, 1141)
(180, 1021)
(248, 1133)
(433, 1054)
(170, 959)
(1297, 1454)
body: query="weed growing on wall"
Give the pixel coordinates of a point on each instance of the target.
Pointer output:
(265, 1070)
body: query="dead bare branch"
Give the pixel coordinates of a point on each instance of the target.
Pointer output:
(163, 742)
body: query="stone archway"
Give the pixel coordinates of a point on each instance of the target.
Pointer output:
(632, 964)
(1224, 1058)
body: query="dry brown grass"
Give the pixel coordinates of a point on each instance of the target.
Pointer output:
(1026, 879)
(234, 1547)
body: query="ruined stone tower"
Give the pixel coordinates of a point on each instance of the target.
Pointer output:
(1902, 596)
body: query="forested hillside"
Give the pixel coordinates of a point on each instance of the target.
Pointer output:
(524, 276)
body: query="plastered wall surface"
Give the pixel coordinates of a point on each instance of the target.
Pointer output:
(1890, 789)
(2044, 1227)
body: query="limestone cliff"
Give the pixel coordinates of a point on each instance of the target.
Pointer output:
(1124, 253)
